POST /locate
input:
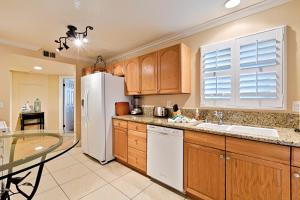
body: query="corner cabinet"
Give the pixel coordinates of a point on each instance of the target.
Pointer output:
(148, 65)
(132, 76)
(119, 69)
(174, 71)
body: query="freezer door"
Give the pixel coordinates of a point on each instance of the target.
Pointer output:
(84, 122)
(114, 92)
(96, 116)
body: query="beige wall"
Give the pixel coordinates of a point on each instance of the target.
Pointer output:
(28, 87)
(287, 14)
(6, 63)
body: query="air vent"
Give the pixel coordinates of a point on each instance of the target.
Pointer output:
(49, 54)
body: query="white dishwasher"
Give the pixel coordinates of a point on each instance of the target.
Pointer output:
(165, 155)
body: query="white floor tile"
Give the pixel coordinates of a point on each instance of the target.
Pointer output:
(132, 183)
(60, 163)
(82, 186)
(106, 193)
(70, 173)
(157, 192)
(93, 165)
(53, 194)
(112, 171)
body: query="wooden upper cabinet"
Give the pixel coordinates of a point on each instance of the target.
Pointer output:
(148, 65)
(119, 69)
(132, 76)
(174, 70)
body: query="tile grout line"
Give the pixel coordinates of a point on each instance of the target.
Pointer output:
(143, 189)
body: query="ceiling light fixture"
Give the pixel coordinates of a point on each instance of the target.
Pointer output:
(38, 68)
(77, 37)
(232, 3)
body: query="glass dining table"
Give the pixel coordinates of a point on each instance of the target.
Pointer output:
(23, 152)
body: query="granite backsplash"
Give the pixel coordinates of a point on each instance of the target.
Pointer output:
(252, 118)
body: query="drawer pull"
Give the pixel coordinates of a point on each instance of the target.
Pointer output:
(222, 156)
(227, 158)
(136, 128)
(296, 175)
(136, 141)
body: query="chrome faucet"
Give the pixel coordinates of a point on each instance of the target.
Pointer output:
(220, 116)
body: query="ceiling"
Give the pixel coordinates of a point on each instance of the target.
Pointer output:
(119, 25)
(26, 64)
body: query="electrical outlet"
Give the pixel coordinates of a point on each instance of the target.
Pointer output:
(1, 104)
(296, 106)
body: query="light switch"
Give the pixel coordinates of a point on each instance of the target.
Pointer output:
(296, 106)
(1, 104)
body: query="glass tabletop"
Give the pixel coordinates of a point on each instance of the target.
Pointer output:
(21, 151)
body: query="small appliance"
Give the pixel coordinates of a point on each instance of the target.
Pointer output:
(137, 109)
(160, 111)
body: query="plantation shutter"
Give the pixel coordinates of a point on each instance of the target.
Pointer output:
(261, 70)
(216, 74)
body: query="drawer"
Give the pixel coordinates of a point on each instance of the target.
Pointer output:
(137, 127)
(296, 157)
(266, 151)
(137, 159)
(137, 140)
(119, 123)
(205, 139)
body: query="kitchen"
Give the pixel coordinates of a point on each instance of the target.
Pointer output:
(211, 112)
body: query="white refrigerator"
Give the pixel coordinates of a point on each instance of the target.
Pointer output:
(99, 93)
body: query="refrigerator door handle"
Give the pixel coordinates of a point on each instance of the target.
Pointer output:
(87, 107)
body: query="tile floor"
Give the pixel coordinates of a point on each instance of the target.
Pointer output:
(77, 176)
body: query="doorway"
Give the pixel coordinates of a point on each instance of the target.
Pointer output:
(68, 104)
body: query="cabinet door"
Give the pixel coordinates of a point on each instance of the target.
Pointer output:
(252, 178)
(132, 76)
(148, 64)
(204, 171)
(169, 70)
(118, 69)
(295, 183)
(120, 144)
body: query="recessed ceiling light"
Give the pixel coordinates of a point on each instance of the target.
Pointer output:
(37, 68)
(85, 40)
(232, 3)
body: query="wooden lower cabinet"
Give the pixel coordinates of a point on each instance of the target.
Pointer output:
(120, 137)
(295, 176)
(253, 178)
(204, 171)
(137, 159)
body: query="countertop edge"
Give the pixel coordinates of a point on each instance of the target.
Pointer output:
(158, 122)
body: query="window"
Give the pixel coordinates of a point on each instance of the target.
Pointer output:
(246, 72)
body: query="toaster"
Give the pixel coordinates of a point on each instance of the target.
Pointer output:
(160, 111)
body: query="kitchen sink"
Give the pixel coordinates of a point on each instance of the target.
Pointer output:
(249, 130)
(219, 127)
(245, 130)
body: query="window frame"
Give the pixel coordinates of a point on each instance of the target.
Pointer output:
(236, 71)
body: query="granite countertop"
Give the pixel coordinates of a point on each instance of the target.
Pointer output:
(287, 136)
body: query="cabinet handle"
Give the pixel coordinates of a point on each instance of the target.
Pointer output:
(296, 175)
(136, 128)
(221, 156)
(136, 141)
(227, 158)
